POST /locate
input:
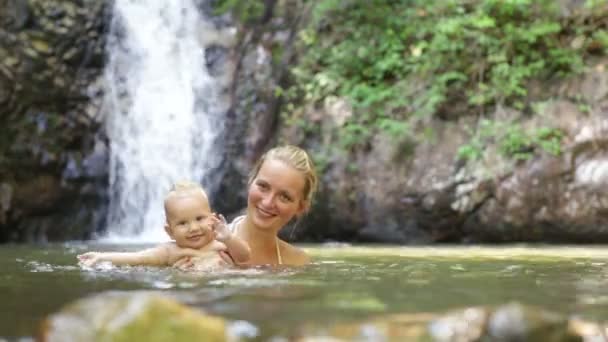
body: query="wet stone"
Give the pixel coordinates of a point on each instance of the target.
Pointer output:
(41, 46)
(131, 316)
(30, 52)
(10, 61)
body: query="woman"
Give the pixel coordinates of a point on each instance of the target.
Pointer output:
(281, 187)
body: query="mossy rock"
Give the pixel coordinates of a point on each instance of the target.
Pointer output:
(139, 316)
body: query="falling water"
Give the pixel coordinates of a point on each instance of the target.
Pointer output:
(163, 112)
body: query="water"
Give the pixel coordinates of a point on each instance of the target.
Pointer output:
(342, 285)
(163, 111)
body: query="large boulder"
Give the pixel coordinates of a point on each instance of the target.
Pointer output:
(135, 316)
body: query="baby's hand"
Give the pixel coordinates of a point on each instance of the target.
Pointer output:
(184, 264)
(90, 258)
(220, 227)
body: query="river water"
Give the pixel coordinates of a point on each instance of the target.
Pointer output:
(345, 283)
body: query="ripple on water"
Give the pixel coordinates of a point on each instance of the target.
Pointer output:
(162, 285)
(511, 271)
(36, 266)
(249, 282)
(592, 300)
(242, 329)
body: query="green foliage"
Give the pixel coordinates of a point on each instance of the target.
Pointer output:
(601, 37)
(245, 11)
(353, 134)
(412, 59)
(512, 141)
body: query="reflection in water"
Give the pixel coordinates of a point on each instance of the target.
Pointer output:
(343, 284)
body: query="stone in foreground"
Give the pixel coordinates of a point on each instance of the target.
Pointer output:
(134, 316)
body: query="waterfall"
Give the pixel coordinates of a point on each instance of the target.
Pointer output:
(163, 112)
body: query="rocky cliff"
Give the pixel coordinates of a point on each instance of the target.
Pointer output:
(412, 187)
(52, 171)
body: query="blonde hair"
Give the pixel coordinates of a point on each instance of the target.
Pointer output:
(298, 159)
(182, 188)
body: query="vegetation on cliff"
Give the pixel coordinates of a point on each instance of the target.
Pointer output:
(400, 63)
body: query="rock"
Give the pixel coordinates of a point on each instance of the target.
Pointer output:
(515, 322)
(511, 322)
(131, 316)
(507, 323)
(466, 325)
(44, 72)
(6, 196)
(396, 327)
(41, 46)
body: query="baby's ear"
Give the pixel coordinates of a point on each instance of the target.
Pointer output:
(168, 230)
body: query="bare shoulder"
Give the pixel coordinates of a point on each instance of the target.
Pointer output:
(164, 250)
(293, 255)
(169, 248)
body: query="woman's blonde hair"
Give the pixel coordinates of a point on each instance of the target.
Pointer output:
(296, 158)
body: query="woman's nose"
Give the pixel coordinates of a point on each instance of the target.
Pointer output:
(268, 200)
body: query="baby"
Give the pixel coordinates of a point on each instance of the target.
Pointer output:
(197, 233)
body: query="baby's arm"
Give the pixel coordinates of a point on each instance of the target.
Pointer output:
(157, 256)
(237, 247)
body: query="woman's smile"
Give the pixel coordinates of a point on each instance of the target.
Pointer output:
(265, 213)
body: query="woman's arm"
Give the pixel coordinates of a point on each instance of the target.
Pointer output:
(237, 248)
(294, 256)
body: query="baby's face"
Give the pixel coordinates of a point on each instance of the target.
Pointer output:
(189, 220)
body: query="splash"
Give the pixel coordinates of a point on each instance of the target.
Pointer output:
(163, 109)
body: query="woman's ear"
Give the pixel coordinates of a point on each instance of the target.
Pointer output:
(303, 209)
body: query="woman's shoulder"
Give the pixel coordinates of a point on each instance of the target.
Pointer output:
(293, 255)
(232, 225)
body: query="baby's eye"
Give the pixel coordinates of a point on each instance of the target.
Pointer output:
(181, 223)
(201, 218)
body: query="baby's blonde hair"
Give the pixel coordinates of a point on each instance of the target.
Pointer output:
(298, 159)
(181, 188)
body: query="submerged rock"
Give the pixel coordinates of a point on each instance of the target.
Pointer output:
(506, 323)
(139, 316)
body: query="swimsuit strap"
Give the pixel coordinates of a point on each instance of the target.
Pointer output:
(234, 226)
(278, 251)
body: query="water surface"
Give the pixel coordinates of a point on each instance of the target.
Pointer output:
(343, 284)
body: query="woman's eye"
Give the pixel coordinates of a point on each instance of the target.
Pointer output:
(263, 186)
(285, 198)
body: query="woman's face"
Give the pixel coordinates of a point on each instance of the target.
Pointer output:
(275, 195)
